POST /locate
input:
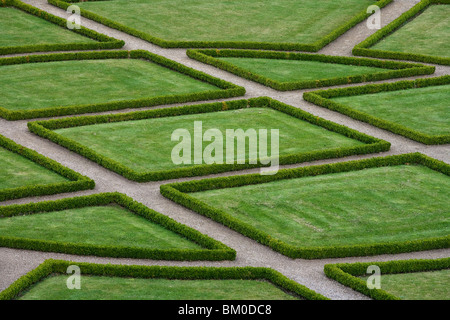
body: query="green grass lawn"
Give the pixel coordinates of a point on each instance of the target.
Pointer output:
(214, 20)
(114, 288)
(428, 33)
(65, 83)
(21, 29)
(145, 145)
(375, 205)
(97, 225)
(298, 70)
(17, 171)
(423, 109)
(431, 285)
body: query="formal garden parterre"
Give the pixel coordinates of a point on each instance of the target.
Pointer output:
(379, 205)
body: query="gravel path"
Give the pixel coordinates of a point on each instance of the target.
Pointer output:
(15, 263)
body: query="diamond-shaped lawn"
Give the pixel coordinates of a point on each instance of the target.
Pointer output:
(20, 28)
(103, 225)
(56, 84)
(374, 210)
(287, 21)
(427, 34)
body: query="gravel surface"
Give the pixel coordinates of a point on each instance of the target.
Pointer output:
(15, 263)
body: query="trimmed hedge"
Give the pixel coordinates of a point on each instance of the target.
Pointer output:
(44, 129)
(398, 69)
(104, 42)
(214, 250)
(226, 90)
(363, 48)
(348, 273)
(77, 181)
(158, 272)
(323, 98)
(311, 47)
(179, 193)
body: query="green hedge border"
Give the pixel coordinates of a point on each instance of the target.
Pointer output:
(51, 266)
(104, 42)
(347, 273)
(363, 48)
(214, 250)
(398, 69)
(311, 47)
(323, 98)
(225, 89)
(78, 182)
(44, 129)
(178, 192)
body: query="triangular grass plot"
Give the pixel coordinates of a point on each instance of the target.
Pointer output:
(306, 25)
(26, 173)
(110, 224)
(420, 34)
(400, 280)
(367, 207)
(294, 71)
(24, 28)
(126, 282)
(139, 145)
(417, 109)
(38, 86)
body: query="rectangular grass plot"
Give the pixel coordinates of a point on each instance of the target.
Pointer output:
(73, 83)
(140, 145)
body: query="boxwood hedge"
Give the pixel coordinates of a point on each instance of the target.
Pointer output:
(158, 272)
(44, 129)
(311, 47)
(348, 273)
(102, 41)
(225, 89)
(179, 193)
(213, 250)
(323, 98)
(364, 48)
(77, 181)
(396, 69)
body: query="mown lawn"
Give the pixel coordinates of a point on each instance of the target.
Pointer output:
(19, 29)
(98, 225)
(18, 171)
(428, 33)
(66, 83)
(432, 285)
(375, 205)
(426, 110)
(145, 145)
(298, 70)
(215, 20)
(108, 288)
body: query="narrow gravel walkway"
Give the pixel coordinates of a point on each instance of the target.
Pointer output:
(15, 263)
